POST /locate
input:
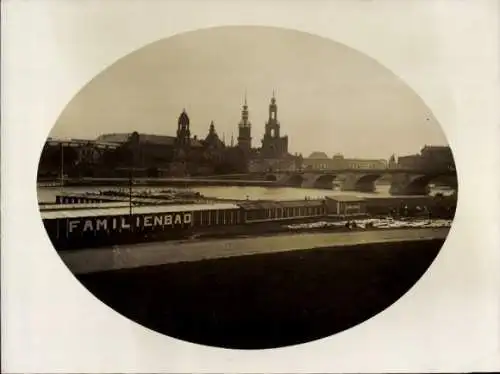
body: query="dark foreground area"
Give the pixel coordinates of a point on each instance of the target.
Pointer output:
(268, 300)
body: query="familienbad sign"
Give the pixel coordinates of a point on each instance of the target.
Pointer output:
(121, 223)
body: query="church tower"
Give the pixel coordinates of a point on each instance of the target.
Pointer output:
(179, 166)
(273, 125)
(245, 129)
(273, 145)
(183, 139)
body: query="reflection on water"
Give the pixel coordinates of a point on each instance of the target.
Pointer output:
(48, 194)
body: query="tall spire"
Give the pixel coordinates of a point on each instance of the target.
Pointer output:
(244, 114)
(244, 128)
(273, 99)
(232, 140)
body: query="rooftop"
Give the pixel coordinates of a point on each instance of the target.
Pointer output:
(405, 197)
(263, 204)
(437, 147)
(143, 138)
(136, 210)
(318, 155)
(107, 205)
(346, 198)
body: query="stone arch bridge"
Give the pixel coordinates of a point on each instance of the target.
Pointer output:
(403, 182)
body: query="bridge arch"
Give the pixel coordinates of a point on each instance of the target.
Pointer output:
(324, 181)
(419, 185)
(271, 178)
(294, 180)
(366, 183)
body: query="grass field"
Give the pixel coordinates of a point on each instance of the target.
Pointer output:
(266, 300)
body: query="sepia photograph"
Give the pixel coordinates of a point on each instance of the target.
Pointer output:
(247, 187)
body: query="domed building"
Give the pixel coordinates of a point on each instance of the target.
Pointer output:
(318, 156)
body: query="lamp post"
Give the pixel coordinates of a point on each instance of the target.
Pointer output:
(62, 165)
(130, 183)
(130, 194)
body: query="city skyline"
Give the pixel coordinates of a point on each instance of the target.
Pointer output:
(368, 111)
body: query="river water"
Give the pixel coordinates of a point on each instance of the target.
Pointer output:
(48, 194)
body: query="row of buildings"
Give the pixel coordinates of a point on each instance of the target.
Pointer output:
(429, 158)
(184, 154)
(321, 161)
(178, 155)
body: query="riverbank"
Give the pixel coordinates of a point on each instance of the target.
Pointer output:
(325, 225)
(161, 253)
(266, 300)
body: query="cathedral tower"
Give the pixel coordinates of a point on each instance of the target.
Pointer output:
(273, 125)
(183, 139)
(245, 129)
(273, 145)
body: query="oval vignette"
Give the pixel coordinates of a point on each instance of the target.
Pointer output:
(232, 186)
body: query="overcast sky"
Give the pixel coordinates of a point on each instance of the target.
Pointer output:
(330, 98)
